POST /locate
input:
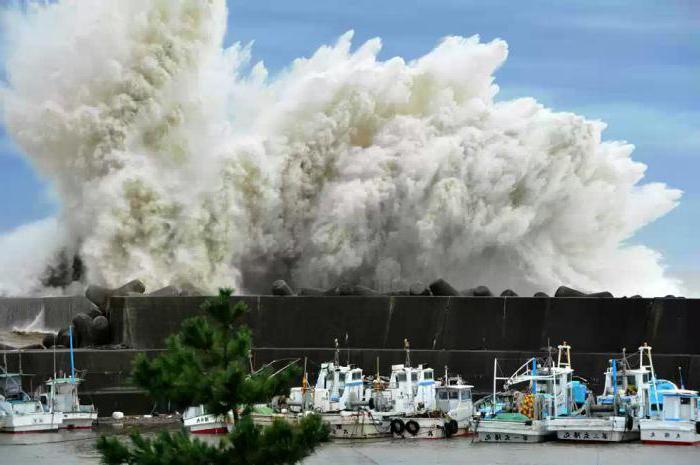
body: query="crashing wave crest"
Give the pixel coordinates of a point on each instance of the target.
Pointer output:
(176, 160)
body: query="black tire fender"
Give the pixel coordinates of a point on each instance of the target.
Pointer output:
(454, 426)
(629, 423)
(412, 427)
(397, 427)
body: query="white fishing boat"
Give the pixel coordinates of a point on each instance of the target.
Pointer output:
(535, 393)
(62, 396)
(678, 422)
(416, 406)
(19, 413)
(339, 396)
(198, 421)
(616, 414)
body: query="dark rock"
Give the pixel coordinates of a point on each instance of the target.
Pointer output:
(99, 295)
(350, 290)
(363, 290)
(419, 288)
(167, 291)
(6, 347)
(340, 289)
(81, 330)
(49, 340)
(189, 289)
(482, 291)
(280, 287)
(604, 294)
(99, 331)
(509, 293)
(564, 291)
(441, 287)
(31, 347)
(670, 296)
(311, 291)
(541, 294)
(94, 312)
(62, 338)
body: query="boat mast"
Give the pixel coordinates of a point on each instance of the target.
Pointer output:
(72, 364)
(495, 373)
(407, 349)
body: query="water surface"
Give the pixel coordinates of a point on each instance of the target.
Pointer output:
(78, 448)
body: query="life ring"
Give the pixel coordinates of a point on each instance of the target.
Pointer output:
(451, 427)
(412, 427)
(397, 427)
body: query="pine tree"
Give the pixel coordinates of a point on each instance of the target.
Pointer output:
(206, 362)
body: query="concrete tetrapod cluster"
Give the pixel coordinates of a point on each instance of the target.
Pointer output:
(439, 287)
(92, 328)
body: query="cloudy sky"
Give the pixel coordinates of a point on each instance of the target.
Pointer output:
(634, 64)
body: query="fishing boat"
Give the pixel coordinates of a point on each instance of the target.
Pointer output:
(62, 396)
(678, 422)
(339, 396)
(19, 413)
(535, 393)
(197, 420)
(615, 415)
(416, 406)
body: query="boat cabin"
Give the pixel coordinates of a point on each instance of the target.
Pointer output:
(681, 404)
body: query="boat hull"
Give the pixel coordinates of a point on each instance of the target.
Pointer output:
(78, 420)
(428, 428)
(342, 425)
(207, 424)
(31, 423)
(669, 432)
(610, 429)
(512, 431)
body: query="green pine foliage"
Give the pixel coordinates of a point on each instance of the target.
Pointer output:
(207, 363)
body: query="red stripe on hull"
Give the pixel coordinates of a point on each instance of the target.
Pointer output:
(670, 443)
(29, 432)
(211, 431)
(78, 427)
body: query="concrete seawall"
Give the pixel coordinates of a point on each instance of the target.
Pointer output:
(438, 323)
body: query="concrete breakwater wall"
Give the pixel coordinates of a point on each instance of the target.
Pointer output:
(434, 323)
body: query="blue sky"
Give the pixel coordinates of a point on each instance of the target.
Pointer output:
(635, 64)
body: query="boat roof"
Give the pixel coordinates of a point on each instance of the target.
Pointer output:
(455, 386)
(64, 380)
(678, 392)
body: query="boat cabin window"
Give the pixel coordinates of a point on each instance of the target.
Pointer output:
(428, 374)
(454, 395)
(400, 377)
(685, 400)
(466, 395)
(414, 376)
(442, 395)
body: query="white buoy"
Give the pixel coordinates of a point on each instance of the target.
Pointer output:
(117, 415)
